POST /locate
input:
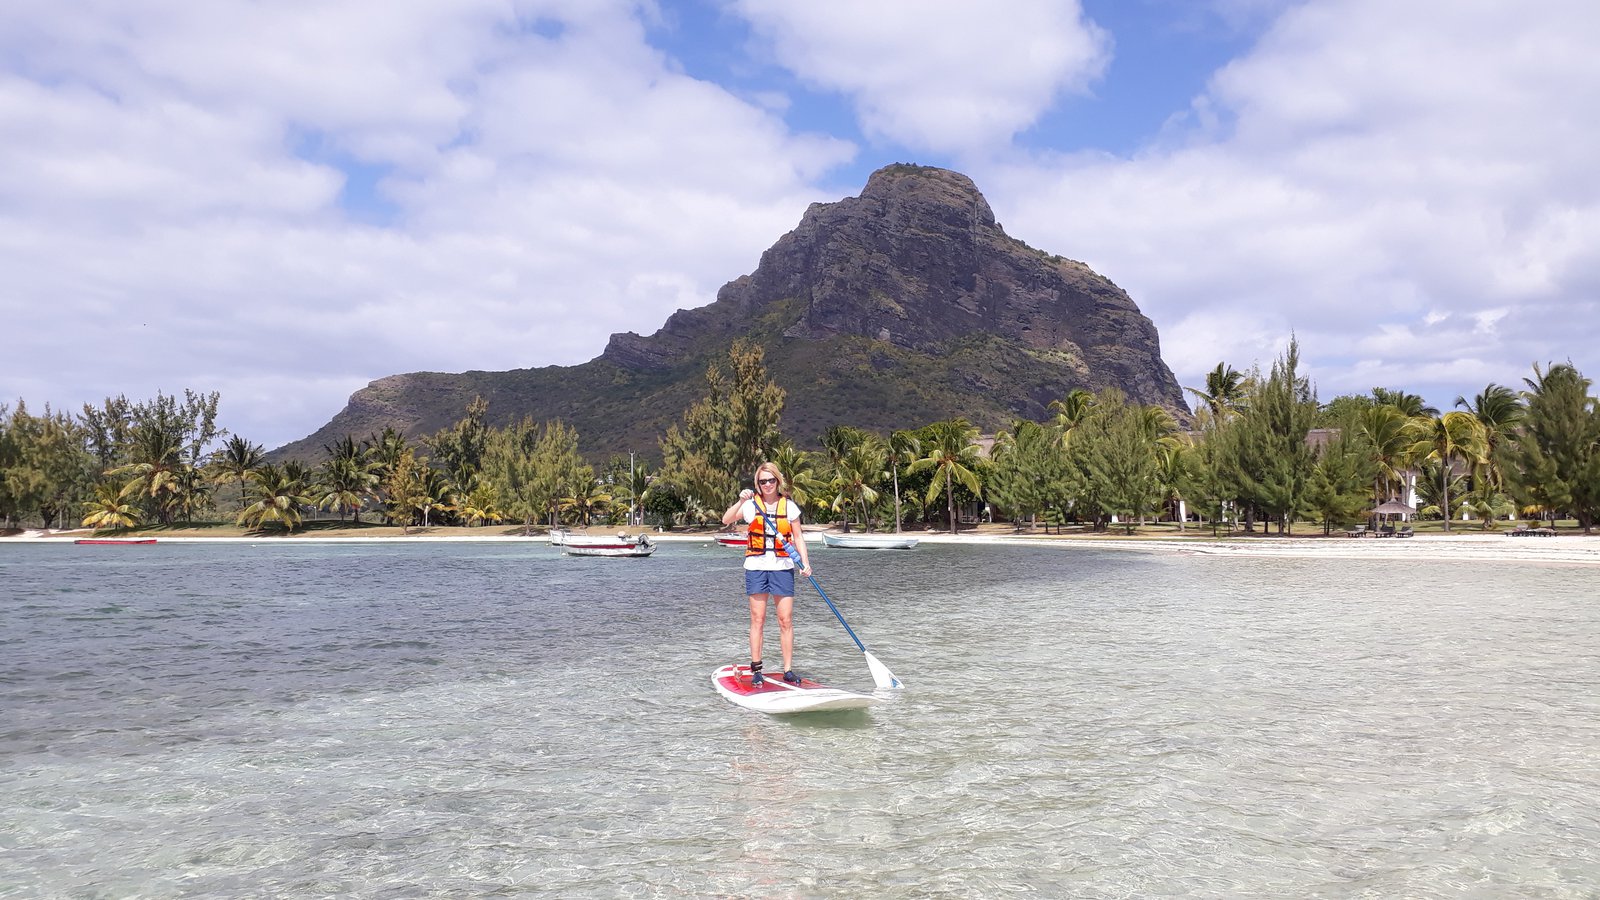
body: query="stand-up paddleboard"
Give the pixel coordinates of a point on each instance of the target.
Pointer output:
(778, 697)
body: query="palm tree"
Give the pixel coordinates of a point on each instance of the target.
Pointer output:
(346, 448)
(435, 491)
(1499, 411)
(1488, 504)
(1388, 432)
(275, 496)
(482, 504)
(1161, 433)
(1070, 412)
(156, 470)
(586, 501)
(386, 451)
(807, 486)
(1156, 422)
(1443, 439)
(1172, 470)
(1441, 491)
(352, 474)
(903, 451)
(109, 510)
(193, 494)
(1225, 392)
(950, 453)
(856, 477)
(628, 479)
(1411, 404)
(639, 485)
(839, 442)
(237, 459)
(344, 483)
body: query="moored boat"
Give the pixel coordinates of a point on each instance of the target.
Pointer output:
(557, 536)
(869, 541)
(146, 540)
(599, 545)
(732, 539)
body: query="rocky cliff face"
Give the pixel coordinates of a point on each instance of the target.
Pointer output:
(918, 261)
(899, 307)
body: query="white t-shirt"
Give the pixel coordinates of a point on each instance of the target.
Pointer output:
(769, 561)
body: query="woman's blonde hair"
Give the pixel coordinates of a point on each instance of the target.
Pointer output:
(772, 469)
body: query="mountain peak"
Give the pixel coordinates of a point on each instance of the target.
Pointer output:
(901, 306)
(904, 184)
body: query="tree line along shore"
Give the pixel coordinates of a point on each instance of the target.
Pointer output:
(1262, 455)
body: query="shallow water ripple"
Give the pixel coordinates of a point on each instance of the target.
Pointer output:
(453, 720)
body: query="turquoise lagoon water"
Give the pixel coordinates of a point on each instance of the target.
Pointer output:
(409, 720)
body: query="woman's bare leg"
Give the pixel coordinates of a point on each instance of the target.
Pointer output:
(785, 606)
(758, 622)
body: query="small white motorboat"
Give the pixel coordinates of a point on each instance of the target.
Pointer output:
(148, 540)
(732, 539)
(557, 536)
(599, 545)
(869, 541)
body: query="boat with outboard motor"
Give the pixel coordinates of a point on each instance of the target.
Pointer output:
(621, 544)
(147, 540)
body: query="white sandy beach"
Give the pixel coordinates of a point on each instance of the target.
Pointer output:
(1492, 546)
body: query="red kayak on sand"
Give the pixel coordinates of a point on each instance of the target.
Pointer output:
(777, 697)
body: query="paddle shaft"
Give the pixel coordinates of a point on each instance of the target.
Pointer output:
(788, 547)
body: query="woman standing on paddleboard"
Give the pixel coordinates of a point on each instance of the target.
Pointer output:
(774, 524)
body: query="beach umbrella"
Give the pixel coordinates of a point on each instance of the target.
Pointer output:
(1394, 508)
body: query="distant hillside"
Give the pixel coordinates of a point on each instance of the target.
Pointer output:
(903, 306)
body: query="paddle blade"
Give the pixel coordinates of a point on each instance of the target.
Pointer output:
(881, 676)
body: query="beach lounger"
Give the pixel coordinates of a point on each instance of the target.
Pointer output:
(1358, 531)
(1404, 531)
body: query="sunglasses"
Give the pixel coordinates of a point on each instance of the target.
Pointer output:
(766, 481)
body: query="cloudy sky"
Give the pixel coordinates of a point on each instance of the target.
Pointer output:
(282, 201)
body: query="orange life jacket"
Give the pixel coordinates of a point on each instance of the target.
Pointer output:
(760, 540)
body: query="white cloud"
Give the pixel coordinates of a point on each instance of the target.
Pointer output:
(941, 75)
(1485, 321)
(172, 204)
(1368, 166)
